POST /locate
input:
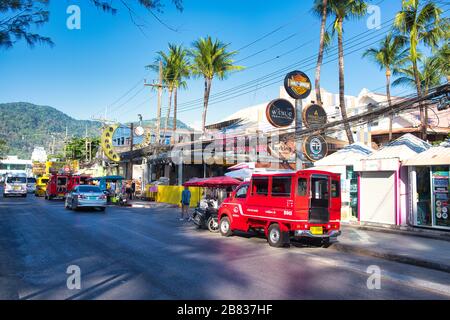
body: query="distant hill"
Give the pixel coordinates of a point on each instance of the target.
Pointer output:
(26, 125)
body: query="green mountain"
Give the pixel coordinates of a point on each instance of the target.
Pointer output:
(25, 125)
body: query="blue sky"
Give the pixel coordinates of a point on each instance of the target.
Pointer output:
(91, 68)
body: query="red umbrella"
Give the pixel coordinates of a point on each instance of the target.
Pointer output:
(194, 182)
(220, 182)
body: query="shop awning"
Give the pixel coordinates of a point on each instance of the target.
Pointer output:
(214, 182)
(432, 157)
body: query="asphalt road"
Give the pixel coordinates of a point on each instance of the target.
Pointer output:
(137, 253)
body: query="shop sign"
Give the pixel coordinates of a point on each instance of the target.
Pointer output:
(314, 116)
(315, 148)
(297, 85)
(376, 165)
(440, 183)
(280, 113)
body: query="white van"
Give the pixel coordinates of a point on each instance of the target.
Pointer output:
(15, 186)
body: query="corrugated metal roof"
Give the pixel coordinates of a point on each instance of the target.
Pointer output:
(403, 148)
(434, 156)
(346, 156)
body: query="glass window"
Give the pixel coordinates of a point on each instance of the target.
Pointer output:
(31, 180)
(16, 180)
(242, 192)
(335, 192)
(424, 217)
(61, 181)
(441, 195)
(44, 181)
(302, 187)
(281, 186)
(89, 189)
(319, 192)
(260, 186)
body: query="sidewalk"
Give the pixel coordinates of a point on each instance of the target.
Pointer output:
(399, 247)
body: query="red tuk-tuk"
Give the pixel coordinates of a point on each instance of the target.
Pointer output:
(60, 184)
(306, 203)
(57, 186)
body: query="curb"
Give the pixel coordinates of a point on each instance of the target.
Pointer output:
(413, 233)
(391, 257)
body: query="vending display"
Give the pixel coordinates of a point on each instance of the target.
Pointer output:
(441, 197)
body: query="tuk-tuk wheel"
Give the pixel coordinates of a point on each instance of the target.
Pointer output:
(225, 227)
(276, 237)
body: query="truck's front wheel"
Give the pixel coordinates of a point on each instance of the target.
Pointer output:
(225, 227)
(276, 237)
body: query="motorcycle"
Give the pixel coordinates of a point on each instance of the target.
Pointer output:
(206, 217)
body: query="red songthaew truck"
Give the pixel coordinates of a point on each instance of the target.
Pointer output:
(306, 203)
(60, 184)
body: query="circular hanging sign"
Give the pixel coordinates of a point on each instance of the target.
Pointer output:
(314, 116)
(139, 131)
(280, 113)
(315, 148)
(297, 85)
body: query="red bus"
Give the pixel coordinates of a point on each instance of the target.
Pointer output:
(306, 203)
(60, 184)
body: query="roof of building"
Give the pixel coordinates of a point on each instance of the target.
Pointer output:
(346, 156)
(403, 148)
(438, 155)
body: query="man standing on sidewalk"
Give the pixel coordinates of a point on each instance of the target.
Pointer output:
(185, 201)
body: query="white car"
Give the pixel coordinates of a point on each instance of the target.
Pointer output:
(15, 186)
(31, 185)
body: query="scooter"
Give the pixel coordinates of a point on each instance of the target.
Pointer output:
(206, 218)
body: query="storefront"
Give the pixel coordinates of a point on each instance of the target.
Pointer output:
(383, 196)
(343, 162)
(430, 184)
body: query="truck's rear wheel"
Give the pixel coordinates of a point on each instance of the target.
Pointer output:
(225, 227)
(276, 237)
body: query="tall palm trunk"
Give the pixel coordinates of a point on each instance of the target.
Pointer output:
(423, 118)
(341, 83)
(321, 49)
(388, 93)
(175, 104)
(168, 112)
(205, 102)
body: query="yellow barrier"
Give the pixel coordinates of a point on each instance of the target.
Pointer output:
(172, 195)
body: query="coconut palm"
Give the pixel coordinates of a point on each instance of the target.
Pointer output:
(211, 59)
(430, 75)
(389, 55)
(175, 69)
(343, 10)
(422, 25)
(181, 70)
(320, 8)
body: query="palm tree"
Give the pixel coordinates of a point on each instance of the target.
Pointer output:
(320, 8)
(430, 75)
(421, 26)
(389, 56)
(181, 70)
(175, 69)
(211, 59)
(344, 10)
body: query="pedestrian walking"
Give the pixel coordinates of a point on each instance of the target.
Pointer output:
(185, 201)
(133, 190)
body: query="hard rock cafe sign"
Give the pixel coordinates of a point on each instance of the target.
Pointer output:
(297, 85)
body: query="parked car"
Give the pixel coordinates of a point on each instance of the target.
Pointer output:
(306, 203)
(31, 185)
(15, 186)
(85, 196)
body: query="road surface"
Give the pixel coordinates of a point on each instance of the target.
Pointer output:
(138, 253)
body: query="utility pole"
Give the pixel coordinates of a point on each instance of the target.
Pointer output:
(160, 87)
(298, 139)
(130, 165)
